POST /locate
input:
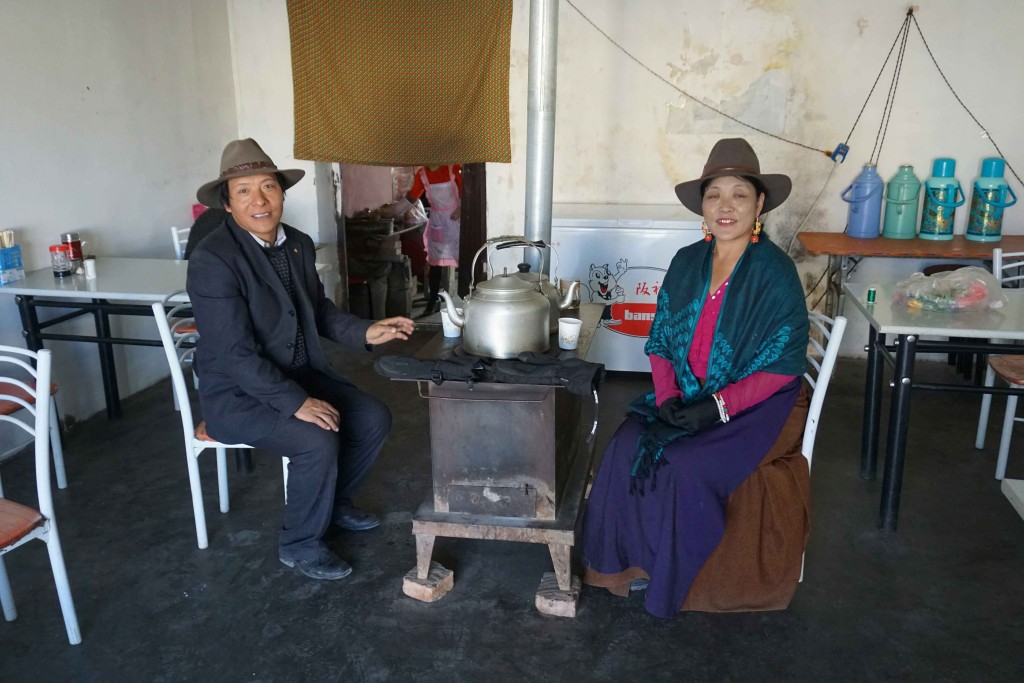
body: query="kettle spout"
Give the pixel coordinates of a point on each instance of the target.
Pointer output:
(571, 296)
(453, 313)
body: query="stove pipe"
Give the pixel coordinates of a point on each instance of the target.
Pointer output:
(540, 125)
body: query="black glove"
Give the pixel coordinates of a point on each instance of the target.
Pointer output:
(690, 418)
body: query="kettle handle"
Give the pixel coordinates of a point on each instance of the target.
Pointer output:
(503, 242)
(539, 246)
(487, 243)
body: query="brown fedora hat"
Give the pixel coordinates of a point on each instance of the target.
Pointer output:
(241, 158)
(735, 157)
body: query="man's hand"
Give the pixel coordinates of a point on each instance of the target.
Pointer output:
(320, 413)
(691, 418)
(389, 329)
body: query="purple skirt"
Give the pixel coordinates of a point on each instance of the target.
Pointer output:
(672, 527)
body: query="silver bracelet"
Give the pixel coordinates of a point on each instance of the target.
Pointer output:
(723, 410)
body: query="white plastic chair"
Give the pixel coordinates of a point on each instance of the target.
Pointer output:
(9, 407)
(178, 352)
(179, 236)
(20, 524)
(818, 376)
(819, 373)
(1009, 268)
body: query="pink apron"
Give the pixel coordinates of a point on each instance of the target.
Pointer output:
(441, 238)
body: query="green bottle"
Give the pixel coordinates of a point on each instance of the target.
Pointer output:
(901, 198)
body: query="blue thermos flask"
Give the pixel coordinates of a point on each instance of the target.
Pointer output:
(864, 195)
(901, 198)
(988, 200)
(942, 195)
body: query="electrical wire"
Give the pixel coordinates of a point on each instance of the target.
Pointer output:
(818, 300)
(891, 99)
(811, 208)
(961, 102)
(826, 152)
(875, 84)
(887, 110)
(815, 286)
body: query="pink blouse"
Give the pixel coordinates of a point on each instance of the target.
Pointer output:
(738, 396)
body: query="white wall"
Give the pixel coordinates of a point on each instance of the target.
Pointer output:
(113, 113)
(261, 60)
(262, 68)
(799, 68)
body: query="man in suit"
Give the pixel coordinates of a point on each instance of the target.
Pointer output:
(264, 379)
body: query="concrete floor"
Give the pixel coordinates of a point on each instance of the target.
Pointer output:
(940, 600)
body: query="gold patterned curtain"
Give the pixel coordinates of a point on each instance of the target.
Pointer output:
(401, 82)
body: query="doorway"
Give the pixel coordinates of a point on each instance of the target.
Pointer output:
(369, 187)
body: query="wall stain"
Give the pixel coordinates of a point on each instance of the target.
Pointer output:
(770, 6)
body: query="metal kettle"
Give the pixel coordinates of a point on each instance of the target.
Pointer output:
(556, 301)
(502, 317)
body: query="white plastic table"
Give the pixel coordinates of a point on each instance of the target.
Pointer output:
(973, 332)
(123, 286)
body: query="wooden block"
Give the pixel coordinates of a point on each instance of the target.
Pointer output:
(551, 600)
(437, 584)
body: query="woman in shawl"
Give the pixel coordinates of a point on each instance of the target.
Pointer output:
(727, 349)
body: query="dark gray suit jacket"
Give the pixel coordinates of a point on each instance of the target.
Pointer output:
(247, 325)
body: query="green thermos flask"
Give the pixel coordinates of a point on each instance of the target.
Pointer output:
(901, 198)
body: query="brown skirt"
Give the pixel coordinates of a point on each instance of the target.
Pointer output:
(757, 565)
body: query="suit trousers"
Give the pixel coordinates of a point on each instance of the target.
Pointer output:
(325, 468)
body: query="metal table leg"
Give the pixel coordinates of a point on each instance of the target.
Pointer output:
(899, 423)
(872, 406)
(107, 368)
(29, 322)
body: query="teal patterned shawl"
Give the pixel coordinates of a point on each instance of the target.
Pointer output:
(762, 326)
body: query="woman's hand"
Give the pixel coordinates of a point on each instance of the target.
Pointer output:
(691, 418)
(457, 213)
(389, 329)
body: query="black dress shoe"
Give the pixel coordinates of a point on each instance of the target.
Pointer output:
(352, 518)
(327, 566)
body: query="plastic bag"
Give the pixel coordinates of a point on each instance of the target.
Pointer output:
(404, 211)
(965, 289)
(415, 214)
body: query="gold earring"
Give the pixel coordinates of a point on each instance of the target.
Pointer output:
(707, 232)
(757, 231)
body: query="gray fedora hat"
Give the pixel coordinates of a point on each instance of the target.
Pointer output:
(735, 157)
(242, 158)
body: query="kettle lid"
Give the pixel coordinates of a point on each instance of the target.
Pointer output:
(506, 284)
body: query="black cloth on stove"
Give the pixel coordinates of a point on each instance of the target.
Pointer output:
(575, 374)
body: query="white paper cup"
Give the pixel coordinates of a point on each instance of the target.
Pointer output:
(569, 332)
(90, 268)
(450, 328)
